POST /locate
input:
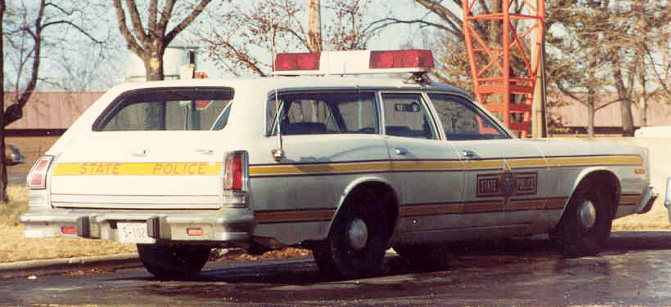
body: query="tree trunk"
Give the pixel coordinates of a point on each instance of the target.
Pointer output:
(644, 110)
(154, 113)
(314, 26)
(153, 66)
(591, 110)
(627, 118)
(3, 167)
(625, 102)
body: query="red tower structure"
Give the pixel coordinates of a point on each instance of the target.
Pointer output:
(515, 34)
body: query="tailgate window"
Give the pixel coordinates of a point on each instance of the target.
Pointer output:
(168, 109)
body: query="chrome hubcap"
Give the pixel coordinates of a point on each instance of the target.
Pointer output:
(357, 233)
(587, 214)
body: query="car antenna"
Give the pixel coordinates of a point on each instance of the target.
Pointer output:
(278, 153)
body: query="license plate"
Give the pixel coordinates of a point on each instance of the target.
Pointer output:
(134, 233)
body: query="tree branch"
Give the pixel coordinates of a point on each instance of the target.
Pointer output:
(165, 17)
(137, 21)
(385, 22)
(442, 11)
(153, 11)
(75, 26)
(186, 22)
(243, 57)
(125, 32)
(14, 111)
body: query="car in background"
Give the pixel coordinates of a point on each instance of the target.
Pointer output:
(13, 155)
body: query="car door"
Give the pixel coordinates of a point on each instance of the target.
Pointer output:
(330, 139)
(504, 184)
(425, 168)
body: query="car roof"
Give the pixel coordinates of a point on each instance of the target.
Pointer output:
(267, 84)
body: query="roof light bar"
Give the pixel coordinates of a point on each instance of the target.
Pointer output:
(354, 62)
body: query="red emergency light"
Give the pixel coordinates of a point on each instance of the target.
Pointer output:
(297, 61)
(401, 59)
(354, 62)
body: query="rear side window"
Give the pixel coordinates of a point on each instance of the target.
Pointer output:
(322, 113)
(168, 109)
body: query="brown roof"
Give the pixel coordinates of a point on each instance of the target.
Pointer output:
(574, 114)
(52, 110)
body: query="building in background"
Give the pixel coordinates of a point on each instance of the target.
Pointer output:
(570, 117)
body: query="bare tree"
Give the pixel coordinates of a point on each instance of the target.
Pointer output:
(246, 36)
(27, 37)
(613, 37)
(149, 42)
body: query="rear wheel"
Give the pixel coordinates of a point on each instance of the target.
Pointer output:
(586, 223)
(173, 261)
(357, 241)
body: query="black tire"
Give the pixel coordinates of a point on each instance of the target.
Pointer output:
(425, 257)
(173, 261)
(573, 237)
(338, 256)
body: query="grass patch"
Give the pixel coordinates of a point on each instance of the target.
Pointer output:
(15, 247)
(18, 204)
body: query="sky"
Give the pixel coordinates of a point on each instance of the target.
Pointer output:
(67, 65)
(393, 38)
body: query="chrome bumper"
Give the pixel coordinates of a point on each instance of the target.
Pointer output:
(226, 225)
(647, 201)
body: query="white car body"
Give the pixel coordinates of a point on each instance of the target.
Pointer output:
(109, 184)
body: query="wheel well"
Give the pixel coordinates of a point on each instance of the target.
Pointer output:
(607, 182)
(388, 197)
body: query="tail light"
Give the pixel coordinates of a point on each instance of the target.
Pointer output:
(37, 177)
(236, 173)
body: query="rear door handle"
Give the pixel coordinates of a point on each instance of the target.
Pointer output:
(401, 151)
(468, 154)
(205, 151)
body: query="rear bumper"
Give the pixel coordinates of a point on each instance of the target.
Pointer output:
(647, 201)
(223, 226)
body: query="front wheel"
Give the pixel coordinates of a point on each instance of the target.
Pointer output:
(586, 223)
(173, 261)
(357, 241)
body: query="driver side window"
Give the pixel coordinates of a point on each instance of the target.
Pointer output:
(462, 120)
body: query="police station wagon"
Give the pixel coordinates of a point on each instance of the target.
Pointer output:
(347, 166)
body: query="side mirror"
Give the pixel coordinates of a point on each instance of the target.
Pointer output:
(667, 194)
(13, 155)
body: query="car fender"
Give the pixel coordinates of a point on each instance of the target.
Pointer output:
(586, 172)
(359, 182)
